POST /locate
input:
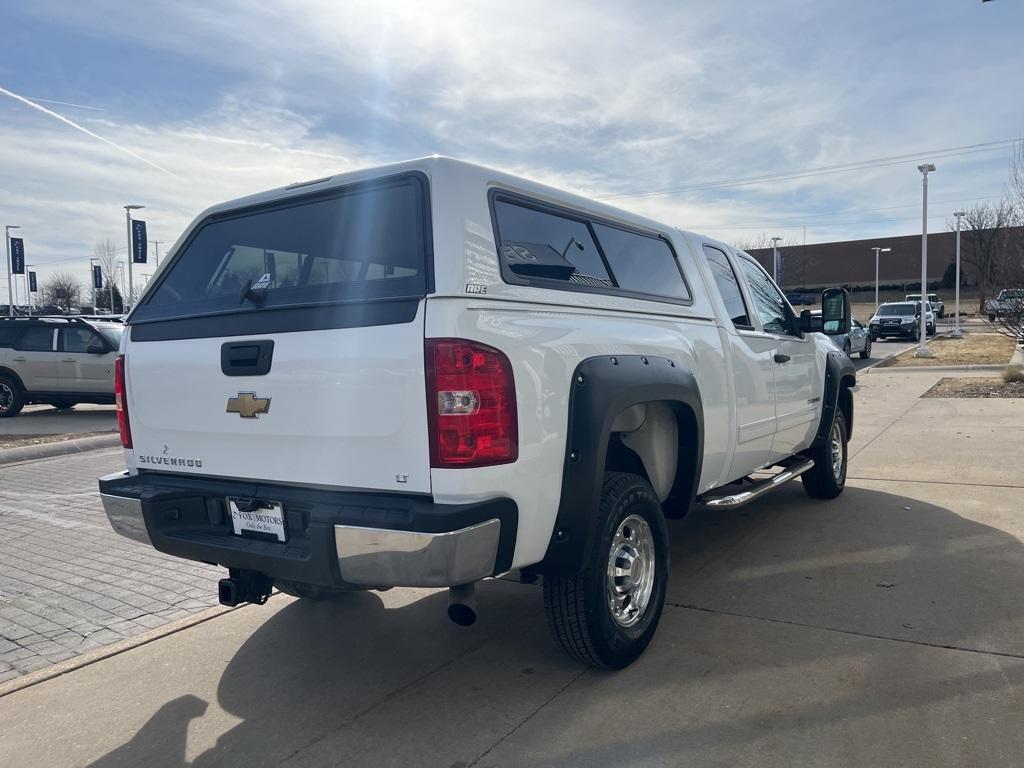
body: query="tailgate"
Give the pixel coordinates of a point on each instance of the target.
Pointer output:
(344, 408)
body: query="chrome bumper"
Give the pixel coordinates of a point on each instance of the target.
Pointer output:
(125, 514)
(386, 558)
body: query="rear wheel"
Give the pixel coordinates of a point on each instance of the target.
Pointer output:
(11, 398)
(606, 615)
(846, 347)
(866, 352)
(827, 478)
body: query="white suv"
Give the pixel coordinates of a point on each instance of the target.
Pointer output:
(432, 373)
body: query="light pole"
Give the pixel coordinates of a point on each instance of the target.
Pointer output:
(10, 283)
(775, 259)
(922, 344)
(957, 333)
(156, 254)
(128, 220)
(878, 250)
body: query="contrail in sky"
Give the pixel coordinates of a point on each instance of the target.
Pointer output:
(86, 131)
(66, 104)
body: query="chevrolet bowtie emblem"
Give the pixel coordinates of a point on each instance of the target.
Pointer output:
(247, 405)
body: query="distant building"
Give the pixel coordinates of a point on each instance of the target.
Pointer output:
(852, 262)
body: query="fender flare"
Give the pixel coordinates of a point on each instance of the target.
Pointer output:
(840, 374)
(603, 387)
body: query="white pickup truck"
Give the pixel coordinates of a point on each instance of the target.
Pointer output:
(431, 373)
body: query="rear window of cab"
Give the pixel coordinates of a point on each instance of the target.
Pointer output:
(551, 247)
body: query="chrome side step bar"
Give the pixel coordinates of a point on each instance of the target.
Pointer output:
(759, 488)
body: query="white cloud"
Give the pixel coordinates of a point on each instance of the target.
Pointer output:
(601, 98)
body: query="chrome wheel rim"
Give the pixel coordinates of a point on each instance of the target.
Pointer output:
(630, 580)
(836, 449)
(6, 397)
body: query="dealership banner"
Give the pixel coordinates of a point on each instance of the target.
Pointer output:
(138, 242)
(32, 283)
(17, 256)
(97, 276)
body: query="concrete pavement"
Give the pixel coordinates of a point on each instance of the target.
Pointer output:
(885, 627)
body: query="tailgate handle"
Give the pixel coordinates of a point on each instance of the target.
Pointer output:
(246, 358)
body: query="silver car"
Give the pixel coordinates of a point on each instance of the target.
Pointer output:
(58, 361)
(857, 339)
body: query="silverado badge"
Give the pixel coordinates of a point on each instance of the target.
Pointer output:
(247, 405)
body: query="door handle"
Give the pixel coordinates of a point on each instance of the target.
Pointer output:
(781, 358)
(18, 359)
(68, 360)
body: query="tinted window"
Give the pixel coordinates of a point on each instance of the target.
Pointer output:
(768, 302)
(364, 242)
(728, 286)
(36, 339)
(113, 333)
(540, 244)
(78, 339)
(641, 263)
(8, 333)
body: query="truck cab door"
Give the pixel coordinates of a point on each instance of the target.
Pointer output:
(798, 369)
(750, 354)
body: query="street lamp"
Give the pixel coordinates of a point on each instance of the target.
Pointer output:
(128, 220)
(922, 344)
(957, 333)
(10, 284)
(775, 259)
(877, 251)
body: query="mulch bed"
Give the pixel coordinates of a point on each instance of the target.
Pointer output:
(976, 387)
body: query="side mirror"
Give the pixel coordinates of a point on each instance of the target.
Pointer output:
(96, 349)
(835, 311)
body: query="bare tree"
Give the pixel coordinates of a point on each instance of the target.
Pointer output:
(63, 290)
(106, 254)
(987, 243)
(763, 240)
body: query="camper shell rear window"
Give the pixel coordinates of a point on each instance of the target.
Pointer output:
(365, 242)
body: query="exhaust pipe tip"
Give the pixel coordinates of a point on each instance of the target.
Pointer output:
(462, 604)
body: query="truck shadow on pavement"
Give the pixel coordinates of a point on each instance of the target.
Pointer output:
(784, 593)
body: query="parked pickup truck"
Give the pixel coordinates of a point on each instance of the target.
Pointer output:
(431, 373)
(1010, 301)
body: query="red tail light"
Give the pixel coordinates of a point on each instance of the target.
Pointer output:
(121, 399)
(471, 405)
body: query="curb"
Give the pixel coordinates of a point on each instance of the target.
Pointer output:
(114, 649)
(933, 368)
(46, 450)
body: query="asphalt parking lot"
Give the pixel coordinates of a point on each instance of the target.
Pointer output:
(47, 420)
(883, 628)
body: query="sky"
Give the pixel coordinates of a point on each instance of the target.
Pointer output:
(646, 105)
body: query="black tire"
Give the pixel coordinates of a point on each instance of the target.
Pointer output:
(12, 399)
(991, 318)
(866, 352)
(578, 607)
(916, 335)
(823, 481)
(64, 405)
(312, 591)
(846, 348)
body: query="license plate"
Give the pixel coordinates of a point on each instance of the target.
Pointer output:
(268, 519)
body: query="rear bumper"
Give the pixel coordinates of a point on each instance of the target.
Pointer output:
(334, 538)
